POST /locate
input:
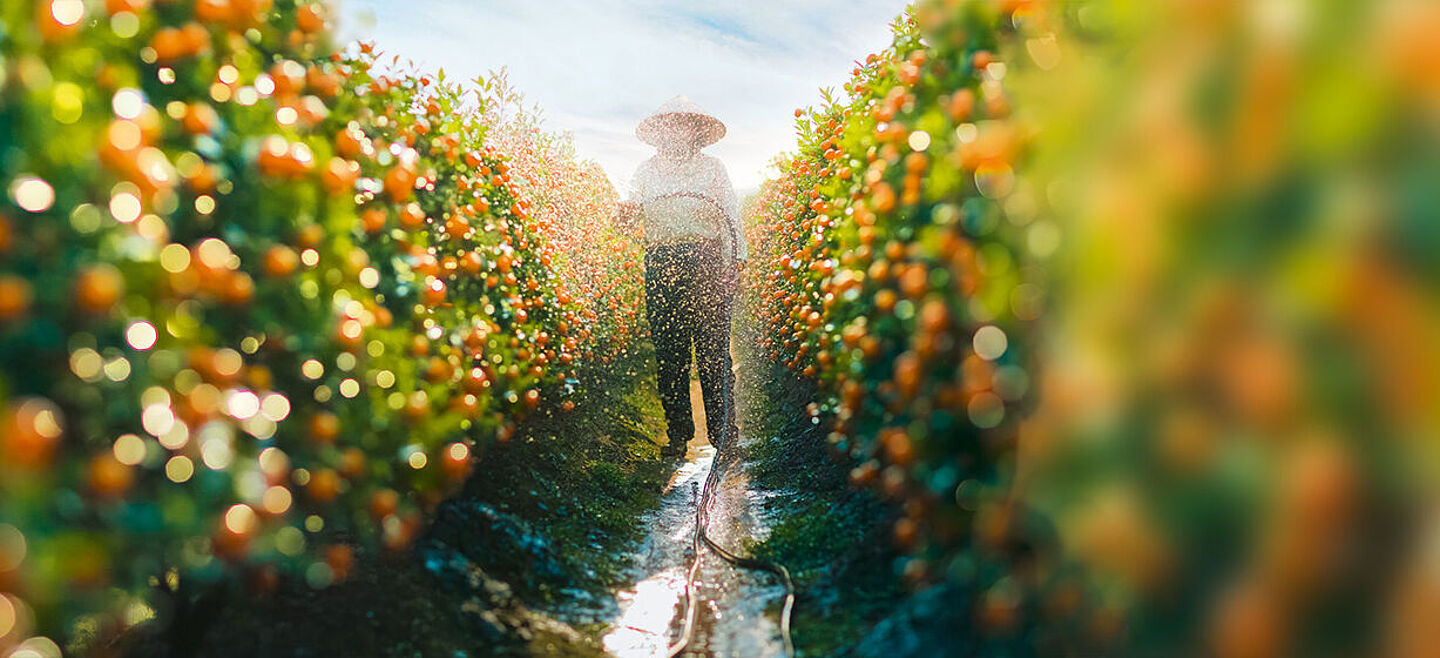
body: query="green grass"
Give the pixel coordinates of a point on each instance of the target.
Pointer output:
(834, 539)
(573, 483)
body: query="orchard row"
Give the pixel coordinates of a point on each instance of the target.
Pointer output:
(1131, 310)
(261, 300)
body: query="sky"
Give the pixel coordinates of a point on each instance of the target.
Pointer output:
(597, 67)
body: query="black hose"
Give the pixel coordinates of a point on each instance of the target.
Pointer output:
(702, 521)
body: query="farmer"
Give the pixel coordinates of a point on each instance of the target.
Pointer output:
(694, 249)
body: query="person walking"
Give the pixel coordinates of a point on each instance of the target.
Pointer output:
(694, 250)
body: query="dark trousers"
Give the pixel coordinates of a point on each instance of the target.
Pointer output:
(687, 300)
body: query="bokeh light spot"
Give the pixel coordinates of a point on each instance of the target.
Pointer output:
(275, 407)
(174, 258)
(141, 335)
(125, 207)
(67, 12)
(312, 369)
(242, 404)
(32, 194)
(276, 500)
(12, 547)
(179, 469)
(990, 342)
(127, 103)
(986, 410)
(86, 364)
(994, 179)
(125, 24)
(157, 419)
(129, 449)
(919, 140)
(240, 519)
(68, 103)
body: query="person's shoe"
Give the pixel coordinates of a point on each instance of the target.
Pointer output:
(672, 450)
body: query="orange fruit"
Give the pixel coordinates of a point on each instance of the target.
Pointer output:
(324, 83)
(133, 6)
(324, 427)
(281, 261)
(438, 371)
(456, 227)
(310, 18)
(195, 37)
(228, 545)
(412, 217)
(474, 381)
(383, 503)
(352, 463)
(433, 294)
(98, 288)
(400, 183)
(383, 316)
(350, 142)
(340, 558)
(212, 11)
(372, 220)
(238, 289)
(324, 485)
(201, 119)
(310, 236)
(15, 296)
(339, 175)
(31, 429)
(108, 478)
(289, 78)
(456, 461)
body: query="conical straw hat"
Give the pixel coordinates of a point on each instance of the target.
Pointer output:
(684, 112)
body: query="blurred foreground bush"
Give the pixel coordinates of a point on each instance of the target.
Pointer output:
(1133, 307)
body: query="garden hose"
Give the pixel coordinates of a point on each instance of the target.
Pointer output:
(702, 521)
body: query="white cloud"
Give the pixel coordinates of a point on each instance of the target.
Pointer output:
(597, 67)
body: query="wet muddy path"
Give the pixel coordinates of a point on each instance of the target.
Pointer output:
(735, 615)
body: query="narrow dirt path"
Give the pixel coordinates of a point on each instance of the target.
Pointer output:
(735, 617)
(732, 618)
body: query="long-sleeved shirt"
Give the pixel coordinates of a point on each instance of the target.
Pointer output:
(685, 199)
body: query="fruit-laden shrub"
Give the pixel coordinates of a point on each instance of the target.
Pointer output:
(260, 300)
(890, 268)
(1131, 308)
(594, 263)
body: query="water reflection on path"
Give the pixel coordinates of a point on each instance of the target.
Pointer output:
(648, 610)
(732, 619)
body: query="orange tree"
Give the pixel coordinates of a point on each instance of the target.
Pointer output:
(260, 301)
(890, 268)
